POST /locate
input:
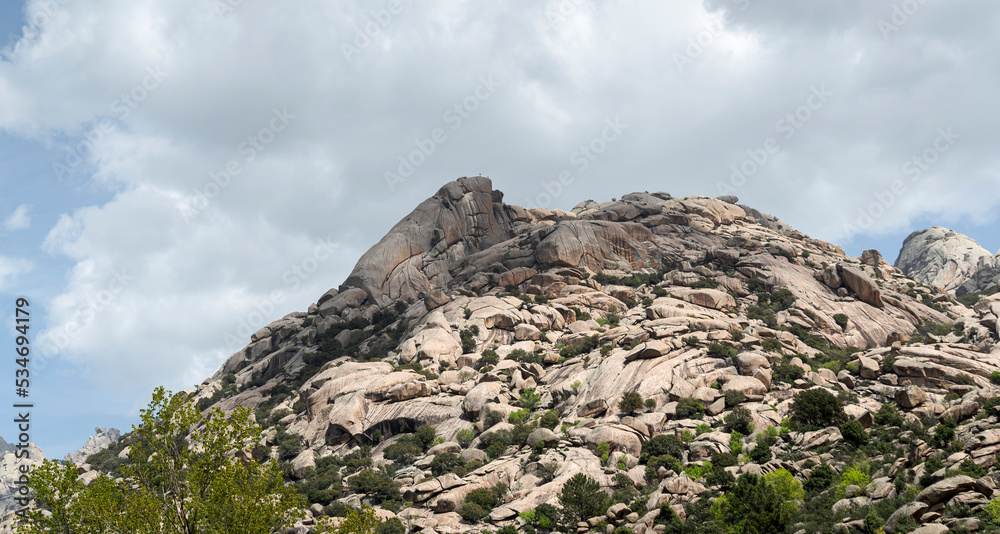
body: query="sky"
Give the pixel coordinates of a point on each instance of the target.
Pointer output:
(179, 173)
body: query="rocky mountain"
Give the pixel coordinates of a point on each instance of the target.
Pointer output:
(102, 439)
(621, 367)
(944, 258)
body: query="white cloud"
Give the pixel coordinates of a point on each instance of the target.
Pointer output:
(10, 269)
(165, 96)
(19, 219)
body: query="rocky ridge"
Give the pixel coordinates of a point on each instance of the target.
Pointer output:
(487, 349)
(947, 259)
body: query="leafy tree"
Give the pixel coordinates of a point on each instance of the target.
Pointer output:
(820, 478)
(529, 399)
(788, 489)
(761, 453)
(582, 498)
(841, 320)
(363, 521)
(817, 407)
(751, 506)
(549, 420)
(660, 445)
(888, 415)
(464, 437)
(854, 433)
(180, 477)
(631, 402)
(689, 408)
(739, 420)
(445, 462)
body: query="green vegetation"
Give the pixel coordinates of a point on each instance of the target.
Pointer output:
(182, 480)
(817, 408)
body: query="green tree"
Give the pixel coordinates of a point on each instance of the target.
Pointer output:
(631, 402)
(751, 506)
(180, 477)
(529, 399)
(582, 498)
(817, 407)
(363, 521)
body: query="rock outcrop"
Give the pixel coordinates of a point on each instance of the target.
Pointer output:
(540, 344)
(949, 260)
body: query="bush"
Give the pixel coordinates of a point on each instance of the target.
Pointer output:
(734, 397)
(662, 444)
(995, 377)
(465, 437)
(788, 489)
(581, 498)
(549, 420)
(403, 452)
(761, 453)
(689, 408)
(468, 341)
(888, 415)
(821, 477)
(739, 420)
(854, 433)
(788, 373)
(751, 505)
(541, 299)
(856, 475)
(771, 344)
(472, 512)
(723, 351)
(631, 402)
(488, 357)
(817, 408)
(425, 436)
(529, 399)
(841, 320)
(517, 417)
(445, 462)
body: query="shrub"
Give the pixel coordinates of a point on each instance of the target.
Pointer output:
(691, 341)
(931, 466)
(841, 320)
(970, 468)
(541, 299)
(995, 377)
(464, 437)
(856, 475)
(788, 489)
(660, 445)
(943, 434)
(425, 436)
(771, 344)
(631, 402)
(468, 341)
(517, 417)
(817, 408)
(403, 452)
(689, 408)
(854, 433)
(549, 420)
(821, 477)
(581, 498)
(472, 512)
(734, 397)
(739, 420)
(761, 453)
(529, 399)
(888, 415)
(705, 283)
(751, 505)
(488, 357)
(445, 462)
(723, 351)
(788, 373)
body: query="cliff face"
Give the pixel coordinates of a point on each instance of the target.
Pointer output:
(523, 336)
(947, 259)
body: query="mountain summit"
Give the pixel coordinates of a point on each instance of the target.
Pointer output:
(947, 259)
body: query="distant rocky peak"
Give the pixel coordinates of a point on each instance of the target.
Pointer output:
(947, 259)
(101, 440)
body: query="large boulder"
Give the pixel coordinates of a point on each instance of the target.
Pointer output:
(910, 397)
(944, 490)
(861, 284)
(944, 258)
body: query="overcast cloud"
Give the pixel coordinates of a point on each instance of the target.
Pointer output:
(233, 143)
